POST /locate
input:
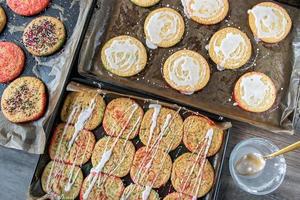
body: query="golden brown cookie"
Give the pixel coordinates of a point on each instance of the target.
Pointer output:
(178, 196)
(85, 109)
(122, 118)
(206, 11)
(101, 186)
(186, 71)
(24, 100)
(71, 145)
(124, 56)
(195, 129)
(145, 3)
(62, 180)
(121, 158)
(230, 48)
(164, 27)
(44, 36)
(255, 92)
(269, 22)
(136, 192)
(161, 128)
(151, 168)
(195, 183)
(3, 19)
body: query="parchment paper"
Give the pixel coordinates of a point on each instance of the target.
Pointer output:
(53, 70)
(279, 61)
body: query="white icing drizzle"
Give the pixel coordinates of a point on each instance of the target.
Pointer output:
(254, 90)
(162, 26)
(233, 47)
(57, 153)
(155, 114)
(92, 180)
(146, 193)
(208, 140)
(269, 22)
(204, 9)
(123, 55)
(81, 121)
(186, 71)
(107, 155)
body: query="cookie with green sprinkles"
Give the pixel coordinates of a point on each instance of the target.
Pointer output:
(24, 100)
(3, 19)
(44, 36)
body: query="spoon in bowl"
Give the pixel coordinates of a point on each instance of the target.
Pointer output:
(253, 163)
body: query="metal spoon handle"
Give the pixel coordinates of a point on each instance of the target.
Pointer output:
(289, 148)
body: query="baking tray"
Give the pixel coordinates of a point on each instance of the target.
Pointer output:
(52, 70)
(280, 61)
(35, 190)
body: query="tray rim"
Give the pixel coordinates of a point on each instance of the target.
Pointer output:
(214, 192)
(83, 70)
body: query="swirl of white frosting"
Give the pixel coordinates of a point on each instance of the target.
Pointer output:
(162, 26)
(204, 9)
(254, 97)
(122, 55)
(186, 71)
(269, 21)
(232, 48)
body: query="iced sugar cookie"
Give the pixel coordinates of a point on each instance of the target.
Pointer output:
(151, 168)
(161, 128)
(124, 56)
(206, 11)
(2, 19)
(178, 196)
(269, 22)
(190, 178)
(230, 48)
(122, 118)
(99, 186)
(44, 36)
(255, 92)
(195, 129)
(145, 3)
(164, 27)
(138, 192)
(186, 71)
(62, 180)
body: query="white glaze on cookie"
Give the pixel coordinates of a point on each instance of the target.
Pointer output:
(270, 22)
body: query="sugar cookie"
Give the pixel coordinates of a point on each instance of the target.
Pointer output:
(164, 27)
(230, 48)
(206, 11)
(124, 56)
(255, 92)
(186, 71)
(269, 22)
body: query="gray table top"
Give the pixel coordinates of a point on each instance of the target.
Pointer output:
(17, 168)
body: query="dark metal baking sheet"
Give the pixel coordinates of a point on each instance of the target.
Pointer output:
(52, 70)
(279, 61)
(36, 190)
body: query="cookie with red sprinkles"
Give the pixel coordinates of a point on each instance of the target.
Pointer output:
(3, 19)
(24, 100)
(12, 60)
(44, 36)
(28, 8)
